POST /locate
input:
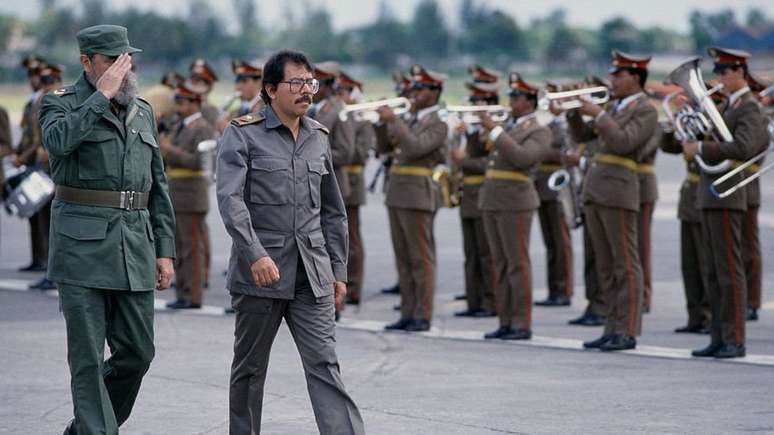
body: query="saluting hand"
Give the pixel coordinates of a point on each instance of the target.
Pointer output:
(112, 79)
(164, 272)
(265, 272)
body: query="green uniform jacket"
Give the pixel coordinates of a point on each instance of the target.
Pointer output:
(92, 148)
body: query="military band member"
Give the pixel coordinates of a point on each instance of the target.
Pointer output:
(112, 228)
(611, 195)
(556, 233)
(508, 201)
(472, 161)
(26, 154)
(692, 265)
(723, 219)
(203, 74)
(172, 80)
(188, 189)
(413, 197)
(281, 205)
(247, 85)
(365, 140)
(751, 244)
(50, 80)
(326, 111)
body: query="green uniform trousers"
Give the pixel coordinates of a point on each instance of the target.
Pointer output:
(104, 391)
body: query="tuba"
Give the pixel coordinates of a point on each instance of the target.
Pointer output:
(700, 118)
(566, 182)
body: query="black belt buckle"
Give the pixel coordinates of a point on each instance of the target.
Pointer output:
(127, 199)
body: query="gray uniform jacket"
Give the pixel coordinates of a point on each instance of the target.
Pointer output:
(279, 197)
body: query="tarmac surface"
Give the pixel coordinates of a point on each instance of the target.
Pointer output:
(446, 381)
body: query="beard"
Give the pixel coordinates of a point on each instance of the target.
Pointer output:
(126, 93)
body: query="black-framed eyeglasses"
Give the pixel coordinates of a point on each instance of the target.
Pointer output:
(297, 85)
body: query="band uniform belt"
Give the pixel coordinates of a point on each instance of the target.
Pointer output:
(645, 168)
(126, 200)
(417, 171)
(693, 178)
(184, 173)
(499, 174)
(353, 169)
(473, 180)
(612, 159)
(549, 167)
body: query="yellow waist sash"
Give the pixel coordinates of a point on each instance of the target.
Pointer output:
(612, 159)
(417, 171)
(499, 174)
(184, 173)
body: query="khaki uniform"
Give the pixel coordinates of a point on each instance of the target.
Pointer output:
(508, 201)
(611, 197)
(479, 291)
(723, 220)
(648, 196)
(556, 233)
(692, 264)
(365, 139)
(412, 199)
(188, 188)
(31, 142)
(278, 197)
(342, 138)
(103, 257)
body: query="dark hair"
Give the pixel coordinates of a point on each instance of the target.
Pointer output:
(722, 67)
(533, 98)
(641, 72)
(274, 69)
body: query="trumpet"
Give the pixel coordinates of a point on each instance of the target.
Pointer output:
(469, 114)
(572, 99)
(367, 111)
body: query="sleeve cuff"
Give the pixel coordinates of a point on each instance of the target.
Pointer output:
(165, 247)
(253, 253)
(599, 116)
(495, 133)
(340, 271)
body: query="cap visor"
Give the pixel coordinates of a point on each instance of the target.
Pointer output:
(613, 69)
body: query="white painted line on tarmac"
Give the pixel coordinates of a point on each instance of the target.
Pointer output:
(768, 306)
(17, 285)
(555, 343)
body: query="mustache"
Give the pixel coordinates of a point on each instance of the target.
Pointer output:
(304, 98)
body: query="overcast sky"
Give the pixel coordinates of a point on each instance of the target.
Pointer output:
(350, 13)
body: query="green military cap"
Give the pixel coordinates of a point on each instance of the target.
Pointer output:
(105, 39)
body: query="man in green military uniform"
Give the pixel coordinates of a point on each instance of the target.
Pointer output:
(112, 227)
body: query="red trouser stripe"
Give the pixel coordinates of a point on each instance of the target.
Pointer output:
(630, 278)
(738, 321)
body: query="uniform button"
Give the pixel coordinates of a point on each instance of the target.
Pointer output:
(134, 131)
(141, 114)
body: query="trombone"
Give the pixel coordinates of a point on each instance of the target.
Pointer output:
(368, 111)
(572, 99)
(750, 178)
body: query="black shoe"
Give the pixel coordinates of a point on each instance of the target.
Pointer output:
(396, 307)
(418, 325)
(645, 310)
(707, 351)
(70, 429)
(499, 332)
(752, 314)
(460, 298)
(43, 284)
(517, 334)
(588, 319)
(33, 267)
(698, 329)
(467, 313)
(353, 301)
(730, 351)
(400, 325)
(596, 344)
(618, 342)
(394, 290)
(336, 316)
(484, 313)
(554, 301)
(182, 304)
(229, 310)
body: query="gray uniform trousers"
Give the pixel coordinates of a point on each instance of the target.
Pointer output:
(311, 324)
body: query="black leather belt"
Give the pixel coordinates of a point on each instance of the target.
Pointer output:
(126, 200)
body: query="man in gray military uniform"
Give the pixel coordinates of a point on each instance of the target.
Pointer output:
(281, 205)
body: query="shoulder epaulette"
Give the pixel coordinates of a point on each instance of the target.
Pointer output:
(252, 118)
(316, 125)
(64, 91)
